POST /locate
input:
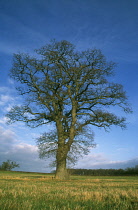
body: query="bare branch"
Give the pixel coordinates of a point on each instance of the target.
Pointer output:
(69, 89)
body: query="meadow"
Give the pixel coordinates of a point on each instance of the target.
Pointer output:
(35, 191)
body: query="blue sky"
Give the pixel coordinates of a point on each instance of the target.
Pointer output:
(111, 26)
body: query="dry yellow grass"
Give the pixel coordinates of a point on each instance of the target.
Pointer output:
(35, 191)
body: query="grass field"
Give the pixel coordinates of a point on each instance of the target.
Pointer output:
(34, 191)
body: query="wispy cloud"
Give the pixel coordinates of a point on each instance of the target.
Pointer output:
(8, 97)
(3, 120)
(123, 149)
(7, 139)
(4, 99)
(25, 38)
(4, 89)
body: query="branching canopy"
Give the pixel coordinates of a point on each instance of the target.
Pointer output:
(68, 88)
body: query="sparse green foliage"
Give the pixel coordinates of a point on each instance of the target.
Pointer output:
(70, 90)
(9, 165)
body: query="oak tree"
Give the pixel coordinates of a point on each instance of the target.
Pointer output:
(71, 89)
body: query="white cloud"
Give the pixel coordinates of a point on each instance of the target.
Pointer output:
(26, 155)
(11, 81)
(7, 134)
(4, 99)
(96, 161)
(23, 153)
(4, 89)
(7, 91)
(92, 160)
(27, 147)
(8, 99)
(7, 139)
(123, 149)
(3, 120)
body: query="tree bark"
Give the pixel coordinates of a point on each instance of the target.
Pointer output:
(61, 156)
(61, 170)
(64, 148)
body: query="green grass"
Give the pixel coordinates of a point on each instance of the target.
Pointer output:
(34, 191)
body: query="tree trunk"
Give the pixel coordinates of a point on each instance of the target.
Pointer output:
(61, 170)
(62, 151)
(61, 157)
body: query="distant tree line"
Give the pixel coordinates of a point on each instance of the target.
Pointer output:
(8, 165)
(105, 172)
